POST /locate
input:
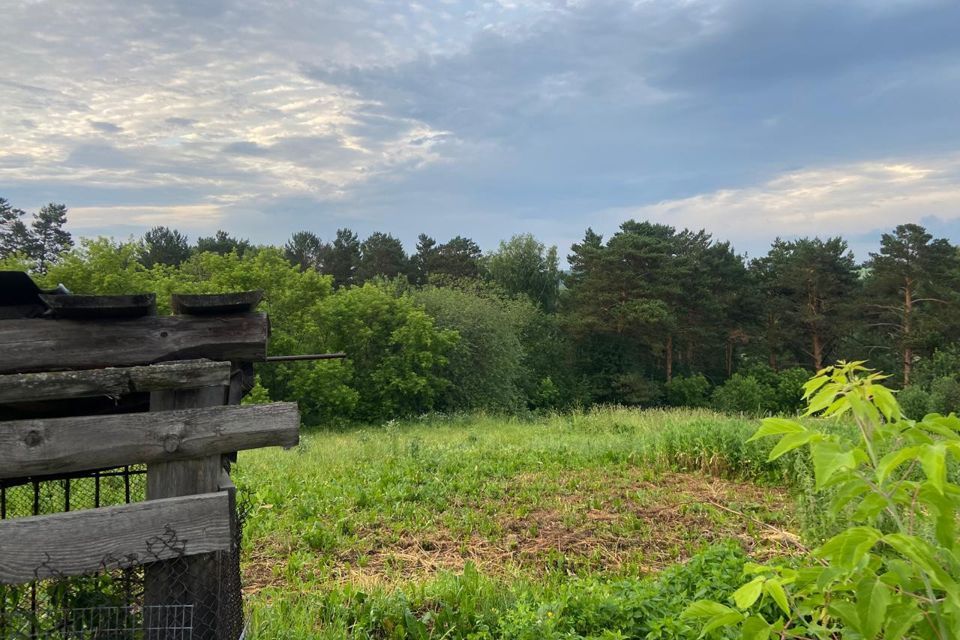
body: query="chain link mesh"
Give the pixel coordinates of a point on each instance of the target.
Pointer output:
(172, 599)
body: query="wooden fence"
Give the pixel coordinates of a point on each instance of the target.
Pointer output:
(98, 389)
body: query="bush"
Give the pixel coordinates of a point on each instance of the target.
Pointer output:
(742, 394)
(945, 395)
(914, 402)
(692, 391)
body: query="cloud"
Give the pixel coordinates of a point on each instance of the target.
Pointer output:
(195, 217)
(105, 127)
(857, 201)
(483, 118)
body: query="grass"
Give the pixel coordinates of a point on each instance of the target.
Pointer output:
(377, 532)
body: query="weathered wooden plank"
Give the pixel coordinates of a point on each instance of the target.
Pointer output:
(112, 381)
(55, 345)
(203, 304)
(85, 307)
(193, 581)
(61, 445)
(79, 542)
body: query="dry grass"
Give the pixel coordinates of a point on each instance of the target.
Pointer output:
(621, 519)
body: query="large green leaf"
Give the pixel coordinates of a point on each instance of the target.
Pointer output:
(923, 554)
(777, 426)
(774, 588)
(746, 595)
(755, 628)
(829, 458)
(849, 547)
(890, 462)
(792, 441)
(934, 462)
(873, 598)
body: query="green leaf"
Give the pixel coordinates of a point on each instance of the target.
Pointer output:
(890, 462)
(886, 403)
(920, 552)
(746, 595)
(790, 442)
(822, 400)
(774, 589)
(873, 598)
(849, 547)
(776, 426)
(829, 458)
(900, 619)
(934, 462)
(706, 609)
(755, 628)
(718, 615)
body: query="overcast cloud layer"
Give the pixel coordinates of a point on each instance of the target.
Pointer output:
(751, 118)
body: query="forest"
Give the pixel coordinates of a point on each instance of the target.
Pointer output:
(651, 316)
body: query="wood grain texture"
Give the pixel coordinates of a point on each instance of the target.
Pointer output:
(61, 445)
(57, 345)
(112, 381)
(79, 542)
(208, 303)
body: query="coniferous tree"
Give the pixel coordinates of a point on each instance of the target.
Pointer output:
(422, 262)
(382, 255)
(456, 259)
(14, 234)
(809, 286)
(306, 250)
(222, 243)
(343, 258)
(911, 286)
(50, 239)
(163, 245)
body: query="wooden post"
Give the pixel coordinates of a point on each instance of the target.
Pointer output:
(192, 580)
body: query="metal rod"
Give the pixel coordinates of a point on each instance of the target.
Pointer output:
(311, 356)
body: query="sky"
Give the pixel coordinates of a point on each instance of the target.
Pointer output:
(750, 118)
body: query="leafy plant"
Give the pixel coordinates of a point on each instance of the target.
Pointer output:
(893, 573)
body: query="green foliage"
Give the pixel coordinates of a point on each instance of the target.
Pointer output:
(523, 266)
(163, 245)
(486, 366)
(891, 572)
(741, 394)
(692, 391)
(472, 606)
(914, 402)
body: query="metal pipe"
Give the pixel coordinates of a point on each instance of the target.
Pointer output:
(311, 356)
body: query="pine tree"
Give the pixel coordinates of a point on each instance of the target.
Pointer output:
(50, 239)
(15, 237)
(163, 245)
(382, 255)
(222, 243)
(306, 250)
(342, 258)
(912, 283)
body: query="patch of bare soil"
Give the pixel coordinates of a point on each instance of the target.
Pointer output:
(584, 521)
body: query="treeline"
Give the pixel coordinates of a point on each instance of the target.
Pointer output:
(652, 315)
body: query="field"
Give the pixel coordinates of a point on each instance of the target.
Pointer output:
(557, 526)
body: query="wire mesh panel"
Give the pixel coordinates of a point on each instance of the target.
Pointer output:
(128, 598)
(169, 622)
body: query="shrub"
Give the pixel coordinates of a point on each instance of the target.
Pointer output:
(741, 394)
(945, 395)
(693, 391)
(914, 402)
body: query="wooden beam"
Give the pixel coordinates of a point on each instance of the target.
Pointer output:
(112, 381)
(215, 303)
(80, 542)
(62, 445)
(56, 345)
